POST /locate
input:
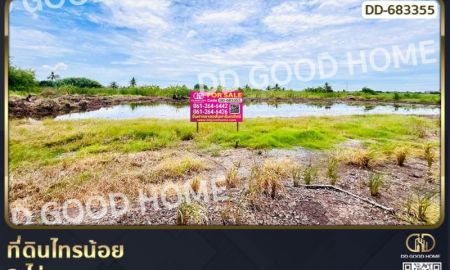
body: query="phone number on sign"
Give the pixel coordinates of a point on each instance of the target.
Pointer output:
(209, 111)
(209, 106)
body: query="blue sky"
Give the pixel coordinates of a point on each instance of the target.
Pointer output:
(168, 42)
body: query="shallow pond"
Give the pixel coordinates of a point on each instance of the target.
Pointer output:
(165, 111)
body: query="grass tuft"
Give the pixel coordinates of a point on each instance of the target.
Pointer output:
(400, 154)
(361, 157)
(176, 168)
(375, 183)
(195, 184)
(428, 154)
(296, 174)
(332, 169)
(265, 180)
(232, 179)
(309, 174)
(191, 214)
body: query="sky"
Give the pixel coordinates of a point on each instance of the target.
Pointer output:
(175, 42)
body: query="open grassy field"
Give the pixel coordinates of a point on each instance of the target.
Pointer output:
(376, 156)
(37, 144)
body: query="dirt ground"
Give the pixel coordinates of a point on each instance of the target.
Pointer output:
(303, 205)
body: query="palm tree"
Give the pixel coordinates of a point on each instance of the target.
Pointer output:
(53, 76)
(133, 82)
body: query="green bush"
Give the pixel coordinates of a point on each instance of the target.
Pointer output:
(367, 90)
(21, 79)
(78, 82)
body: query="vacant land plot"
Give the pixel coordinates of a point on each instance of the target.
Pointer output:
(372, 170)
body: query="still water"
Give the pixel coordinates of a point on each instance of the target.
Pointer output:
(165, 111)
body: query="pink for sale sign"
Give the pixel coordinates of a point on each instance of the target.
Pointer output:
(217, 107)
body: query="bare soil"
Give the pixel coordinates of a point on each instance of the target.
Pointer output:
(294, 205)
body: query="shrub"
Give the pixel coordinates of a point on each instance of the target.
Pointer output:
(78, 82)
(47, 83)
(401, 153)
(367, 90)
(21, 79)
(332, 170)
(429, 154)
(375, 183)
(190, 213)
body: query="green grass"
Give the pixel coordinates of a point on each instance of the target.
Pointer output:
(183, 91)
(51, 141)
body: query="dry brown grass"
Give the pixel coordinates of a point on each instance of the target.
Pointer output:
(265, 180)
(429, 154)
(191, 214)
(195, 184)
(360, 157)
(296, 174)
(232, 178)
(100, 174)
(231, 214)
(424, 208)
(176, 168)
(279, 167)
(400, 154)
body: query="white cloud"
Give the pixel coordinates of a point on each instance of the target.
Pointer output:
(225, 17)
(231, 15)
(134, 14)
(37, 42)
(191, 34)
(56, 68)
(294, 17)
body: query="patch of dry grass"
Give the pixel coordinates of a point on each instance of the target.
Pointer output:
(424, 208)
(400, 154)
(266, 180)
(232, 179)
(191, 214)
(362, 158)
(231, 214)
(332, 169)
(296, 174)
(429, 154)
(309, 174)
(101, 174)
(176, 168)
(195, 184)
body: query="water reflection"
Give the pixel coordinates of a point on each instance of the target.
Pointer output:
(181, 111)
